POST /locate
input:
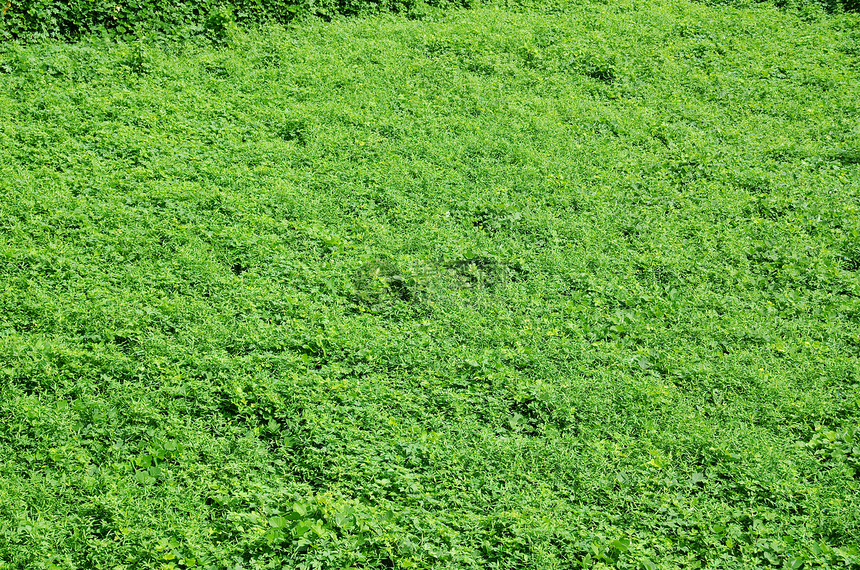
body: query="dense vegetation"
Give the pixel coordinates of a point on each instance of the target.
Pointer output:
(492, 289)
(41, 19)
(60, 19)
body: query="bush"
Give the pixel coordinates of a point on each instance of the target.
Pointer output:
(43, 19)
(829, 6)
(35, 20)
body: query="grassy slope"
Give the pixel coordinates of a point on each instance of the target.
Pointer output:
(488, 290)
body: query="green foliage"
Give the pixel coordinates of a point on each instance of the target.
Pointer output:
(500, 288)
(38, 20)
(43, 19)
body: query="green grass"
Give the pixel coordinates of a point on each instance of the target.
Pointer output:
(491, 289)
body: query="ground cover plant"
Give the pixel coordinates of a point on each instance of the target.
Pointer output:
(488, 289)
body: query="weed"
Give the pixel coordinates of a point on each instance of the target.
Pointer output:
(520, 286)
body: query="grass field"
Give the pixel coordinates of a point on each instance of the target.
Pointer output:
(487, 289)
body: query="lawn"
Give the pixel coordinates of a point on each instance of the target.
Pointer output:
(487, 288)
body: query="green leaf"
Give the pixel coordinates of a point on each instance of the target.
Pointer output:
(621, 544)
(302, 527)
